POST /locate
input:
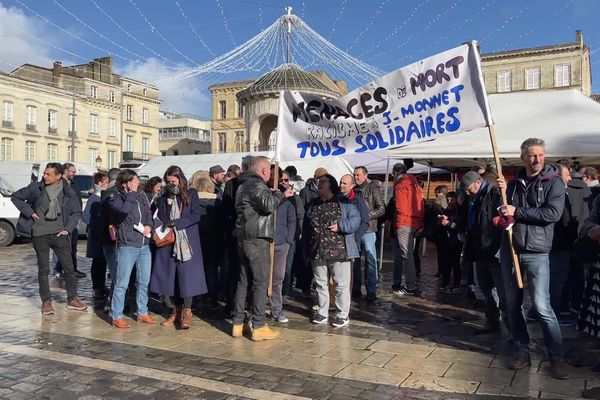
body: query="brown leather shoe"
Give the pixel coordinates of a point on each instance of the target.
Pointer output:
(121, 323)
(76, 304)
(173, 318)
(520, 361)
(186, 318)
(560, 370)
(47, 308)
(145, 319)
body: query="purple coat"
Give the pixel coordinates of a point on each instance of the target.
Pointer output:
(190, 274)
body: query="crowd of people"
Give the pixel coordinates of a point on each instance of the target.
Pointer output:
(243, 238)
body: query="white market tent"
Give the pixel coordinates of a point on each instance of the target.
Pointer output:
(157, 166)
(376, 163)
(567, 120)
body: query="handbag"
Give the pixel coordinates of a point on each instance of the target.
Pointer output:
(167, 240)
(112, 232)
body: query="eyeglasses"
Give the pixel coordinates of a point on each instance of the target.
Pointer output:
(285, 180)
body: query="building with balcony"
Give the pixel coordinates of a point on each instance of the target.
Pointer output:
(75, 113)
(183, 135)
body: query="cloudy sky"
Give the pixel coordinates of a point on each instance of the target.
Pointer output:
(161, 40)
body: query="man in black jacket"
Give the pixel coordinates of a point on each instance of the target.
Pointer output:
(69, 176)
(482, 244)
(50, 212)
(230, 268)
(566, 231)
(536, 201)
(255, 204)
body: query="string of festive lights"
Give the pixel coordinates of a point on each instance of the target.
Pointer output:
(269, 49)
(366, 29)
(504, 23)
(225, 22)
(398, 28)
(194, 29)
(418, 33)
(125, 31)
(444, 38)
(103, 50)
(87, 26)
(337, 19)
(160, 35)
(260, 16)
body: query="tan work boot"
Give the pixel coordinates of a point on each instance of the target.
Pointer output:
(240, 330)
(264, 333)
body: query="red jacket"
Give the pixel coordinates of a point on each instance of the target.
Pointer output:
(408, 201)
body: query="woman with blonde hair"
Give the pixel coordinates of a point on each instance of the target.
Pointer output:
(212, 234)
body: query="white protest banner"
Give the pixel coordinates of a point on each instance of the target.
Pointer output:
(438, 96)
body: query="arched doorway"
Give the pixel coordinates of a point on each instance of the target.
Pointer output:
(267, 134)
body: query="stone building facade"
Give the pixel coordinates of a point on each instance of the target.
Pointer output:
(38, 121)
(228, 127)
(562, 66)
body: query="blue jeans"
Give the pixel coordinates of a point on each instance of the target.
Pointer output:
(397, 262)
(127, 257)
(537, 267)
(287, 280)
(370, 252)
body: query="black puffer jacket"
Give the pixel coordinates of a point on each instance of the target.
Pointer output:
(539, 205)
(255, 204)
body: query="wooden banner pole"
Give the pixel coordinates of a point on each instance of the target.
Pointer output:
(515, 257)
(272, 247)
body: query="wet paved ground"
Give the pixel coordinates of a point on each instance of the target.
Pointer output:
(397, 348)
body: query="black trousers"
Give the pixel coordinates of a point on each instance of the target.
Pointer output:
(74, 239)
(254, 269)
(99, 272)
(449, 259)
(61, 245)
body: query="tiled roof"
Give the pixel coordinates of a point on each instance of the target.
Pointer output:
(288, 77)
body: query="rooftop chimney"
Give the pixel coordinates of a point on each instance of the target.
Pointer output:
(57, 74)
(579, 38)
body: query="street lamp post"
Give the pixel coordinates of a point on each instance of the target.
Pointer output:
(98, 162)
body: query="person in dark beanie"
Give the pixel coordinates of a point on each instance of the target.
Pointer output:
(49, 212)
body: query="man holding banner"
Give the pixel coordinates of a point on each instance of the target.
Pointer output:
(537, 198)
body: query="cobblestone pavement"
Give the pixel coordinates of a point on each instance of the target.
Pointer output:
(396, 348)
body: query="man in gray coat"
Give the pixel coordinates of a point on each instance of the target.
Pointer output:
(50, 212)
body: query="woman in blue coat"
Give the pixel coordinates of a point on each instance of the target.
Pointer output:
(178, 272)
